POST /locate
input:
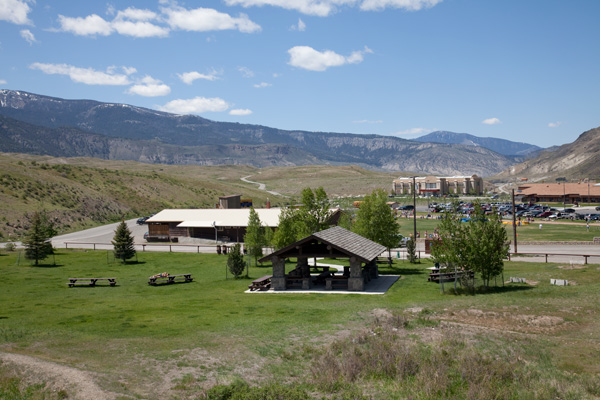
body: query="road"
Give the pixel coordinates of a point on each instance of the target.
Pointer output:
(100, 238)
(261, 186)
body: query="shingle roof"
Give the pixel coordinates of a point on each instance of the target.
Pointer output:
(348, 243)
(351, 242)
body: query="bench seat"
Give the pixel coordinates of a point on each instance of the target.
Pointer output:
(169, 279)
(90, 281)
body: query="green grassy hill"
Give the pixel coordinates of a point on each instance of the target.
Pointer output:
(84, 192)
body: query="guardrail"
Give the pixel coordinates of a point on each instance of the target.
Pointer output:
(585, 256)
(96, 246)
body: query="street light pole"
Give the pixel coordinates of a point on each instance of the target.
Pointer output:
(514, 212)
(415, 207)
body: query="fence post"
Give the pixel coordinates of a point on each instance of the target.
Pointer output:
(546, 258)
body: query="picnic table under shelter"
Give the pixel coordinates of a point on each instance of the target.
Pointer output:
(335, 242)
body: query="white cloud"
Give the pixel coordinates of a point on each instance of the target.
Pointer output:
(190, 77)
(15, 11)
(320, 8)
(246, 72)
(3, 82)
(88, 26)
(491, 121)
(409, 5)
(262, 85)
(139, 29)
(149, 87)
(196, 105)
(135, 22)
(555, 124)
(240, 111)
(208, 19)
(366, 121)
(308, 58)
(323, 8)
(301, 26)
(88, 76)
(412, 132)
(28, 36)
(130, 22)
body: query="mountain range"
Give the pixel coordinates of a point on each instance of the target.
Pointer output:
(37, 124)
(501, 146)
(573, 161)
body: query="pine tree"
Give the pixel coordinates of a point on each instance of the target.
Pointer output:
(235, 261)
(123, 245)
(37, 242)
(254, 239)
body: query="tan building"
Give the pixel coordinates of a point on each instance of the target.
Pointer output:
(439, 186)
(560, 192)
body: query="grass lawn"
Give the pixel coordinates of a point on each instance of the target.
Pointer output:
(194, 335)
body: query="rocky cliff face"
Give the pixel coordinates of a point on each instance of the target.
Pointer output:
(577, 160)
(501, 146)
(118, 131)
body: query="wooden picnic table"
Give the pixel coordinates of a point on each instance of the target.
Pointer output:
(263, 283)
(448, 276)
(338, 282)
(90, 281)
(168, 279)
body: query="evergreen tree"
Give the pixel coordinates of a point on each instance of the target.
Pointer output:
(123, 246)
(254, 239)
(37, 241)
(411, 250)
(235, 261)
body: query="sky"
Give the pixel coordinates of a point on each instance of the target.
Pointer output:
(521, 70)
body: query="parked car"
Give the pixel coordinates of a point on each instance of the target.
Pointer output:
(598, 208)
(402, 240)
(142, 220)
(569, 210)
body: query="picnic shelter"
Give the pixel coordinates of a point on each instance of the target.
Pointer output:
(335, 242)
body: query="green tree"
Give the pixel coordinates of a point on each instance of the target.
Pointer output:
(375, 220)
(411, 250)
(254, 239)
(478, 243)
(287, 230)
(123, 246)
(235, 261)
(37, 241)
(314, 213)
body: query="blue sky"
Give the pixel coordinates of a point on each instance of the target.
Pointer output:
(522, 70)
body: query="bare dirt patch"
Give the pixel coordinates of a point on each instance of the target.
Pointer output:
(78, 384)
(508, 321)
(572, 266)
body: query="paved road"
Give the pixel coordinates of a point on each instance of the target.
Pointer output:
(101, 237)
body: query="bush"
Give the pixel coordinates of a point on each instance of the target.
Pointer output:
(235, 261)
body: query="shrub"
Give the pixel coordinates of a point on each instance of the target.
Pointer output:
(235, 261)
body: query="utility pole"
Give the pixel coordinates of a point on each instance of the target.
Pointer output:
(514, 212)
(415, 207)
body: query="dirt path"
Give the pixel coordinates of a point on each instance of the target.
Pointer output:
(77, 383)
(261, 186)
